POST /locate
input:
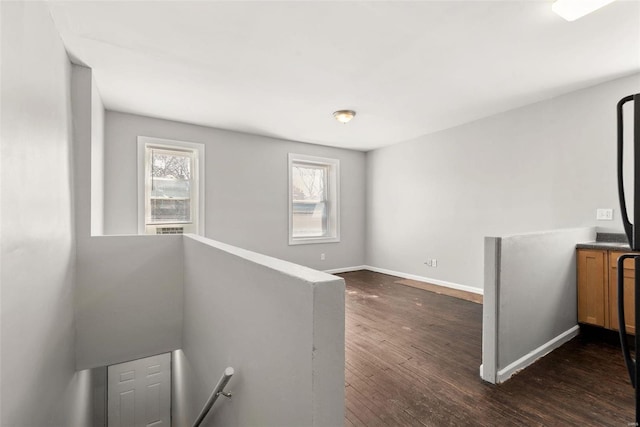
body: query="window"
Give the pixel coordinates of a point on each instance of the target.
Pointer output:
(171, 190)
(313, 200)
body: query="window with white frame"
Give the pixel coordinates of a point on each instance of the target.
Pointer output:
(314, 214)
(171, 187)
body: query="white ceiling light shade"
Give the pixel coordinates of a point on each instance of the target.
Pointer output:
(574, 9)
(344, 116)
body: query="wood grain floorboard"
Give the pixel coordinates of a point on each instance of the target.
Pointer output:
(469, 296)
(412, 359)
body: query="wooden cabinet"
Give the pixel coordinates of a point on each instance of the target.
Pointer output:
(598, 291)
(629, 284)
(593, 288)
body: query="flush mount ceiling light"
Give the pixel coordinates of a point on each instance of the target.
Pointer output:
(574, 9)
(344, 116)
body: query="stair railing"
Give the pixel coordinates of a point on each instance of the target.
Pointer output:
(217, 391)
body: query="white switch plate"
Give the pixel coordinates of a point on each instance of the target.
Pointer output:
(604, 214)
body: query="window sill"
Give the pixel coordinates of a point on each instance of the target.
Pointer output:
(312, 240)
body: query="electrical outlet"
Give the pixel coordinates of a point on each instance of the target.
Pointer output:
(604, 214)
(434, 263)
(322, 257)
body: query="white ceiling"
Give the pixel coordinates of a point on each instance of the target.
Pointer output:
(281, 68)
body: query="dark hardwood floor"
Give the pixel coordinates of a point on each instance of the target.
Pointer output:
(412, 359)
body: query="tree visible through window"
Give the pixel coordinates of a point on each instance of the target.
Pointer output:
(309, 201)
(170, 186)
(313, 200)
(170, 195)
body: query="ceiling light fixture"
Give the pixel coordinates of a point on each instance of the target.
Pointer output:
(574, 9)
(344, 116)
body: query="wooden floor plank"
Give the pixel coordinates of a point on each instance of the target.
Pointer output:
(456, 293)
(412, 358)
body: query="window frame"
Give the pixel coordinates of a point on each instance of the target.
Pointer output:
(198, 149)
(332, 186)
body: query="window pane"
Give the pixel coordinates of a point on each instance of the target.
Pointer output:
(309, 219)
(170, 198)
(170, 210)
(309, 208)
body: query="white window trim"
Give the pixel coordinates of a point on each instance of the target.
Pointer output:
(333, 197)
(169, 144)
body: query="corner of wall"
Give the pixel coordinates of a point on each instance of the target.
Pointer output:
(490, 312)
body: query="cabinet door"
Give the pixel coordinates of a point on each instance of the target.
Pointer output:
(592, 289)
(629, 284)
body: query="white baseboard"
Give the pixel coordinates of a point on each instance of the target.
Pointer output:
(546, 348)
(425, 279)
(407, 276)
(346, 269)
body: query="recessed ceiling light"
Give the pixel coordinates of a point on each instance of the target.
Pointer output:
(344, 116)
(574, 9)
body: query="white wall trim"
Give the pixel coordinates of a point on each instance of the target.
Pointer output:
(407, 276)
(438, 282)
(529, 358)
(346, 269)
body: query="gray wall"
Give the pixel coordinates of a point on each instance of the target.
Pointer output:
(88, 136)
(279, 325)
(530, 304)
(39, 383)
(129, 288)
(99, 396)
(246, 189)
(97, 161)
(541, 167)
(129, 298)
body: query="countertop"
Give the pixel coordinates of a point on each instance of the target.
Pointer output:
(607, 246)
(607, 242)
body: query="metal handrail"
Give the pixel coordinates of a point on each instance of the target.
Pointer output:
(217, 391)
